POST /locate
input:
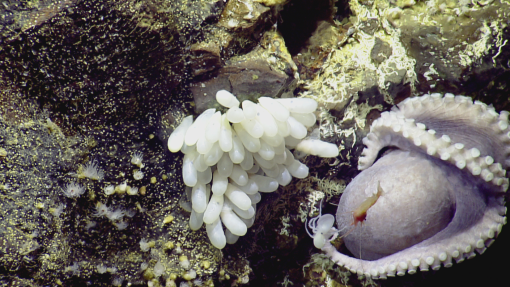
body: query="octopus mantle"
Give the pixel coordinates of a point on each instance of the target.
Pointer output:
(440, 164)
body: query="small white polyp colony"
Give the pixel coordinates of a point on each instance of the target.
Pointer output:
(243, 152)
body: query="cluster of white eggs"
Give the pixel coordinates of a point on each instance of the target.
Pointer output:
(243, 152)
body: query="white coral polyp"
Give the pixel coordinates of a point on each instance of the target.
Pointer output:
(230, 158)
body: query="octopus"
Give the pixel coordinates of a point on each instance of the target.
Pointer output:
(431, 191)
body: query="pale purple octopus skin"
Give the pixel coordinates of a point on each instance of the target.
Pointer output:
(443, 182)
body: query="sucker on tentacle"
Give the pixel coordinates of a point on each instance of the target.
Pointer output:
(444, 178)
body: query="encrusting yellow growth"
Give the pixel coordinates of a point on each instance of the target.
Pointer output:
(168, 219)
(270, 3)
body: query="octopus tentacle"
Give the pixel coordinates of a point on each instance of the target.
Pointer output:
(424, 257)
(466, 142)
(404, 127)
(453, 117)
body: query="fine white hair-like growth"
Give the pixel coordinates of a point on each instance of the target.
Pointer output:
(91, 170)
(73, 190)
(229, 159)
